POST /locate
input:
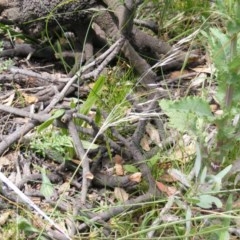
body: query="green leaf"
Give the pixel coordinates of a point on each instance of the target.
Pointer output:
(207, 201)
(224, 235)
(198, 161)
(229, 205)
(185, 114)
(153, 160)
(192, 200)
(180, 176)
(130, 168)
(98, 116)
(219, 47)
(203, 175)
(89, 145)
(207, 230)
(223, 173)
(93, 95)
(188, 220)
(58, 113)
(234, 66)
(194, 105)
(26, 226)
(233, 27)
(46, 188)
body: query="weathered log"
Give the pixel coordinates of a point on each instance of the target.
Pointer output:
(114, 18)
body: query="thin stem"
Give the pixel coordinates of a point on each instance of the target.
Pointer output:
(233, 53)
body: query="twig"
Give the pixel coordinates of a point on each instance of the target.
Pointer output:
(115, 210)
(113, 181)
(38, 177)
(147, 24)
(106, 61)
(12, 138)
(18, 50)
(43, 76)
(87, 175)
(40, 117)
(88, 120)
(61, 95)
(30, 203)
(81, 209)
(103, 56)
(138, 157)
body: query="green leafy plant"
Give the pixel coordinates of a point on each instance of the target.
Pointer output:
(25, 226)
(55, 141)
(194, 113)
(187, 114)
(58, 143)
(209, 185)
(224, 46)
(5, 64)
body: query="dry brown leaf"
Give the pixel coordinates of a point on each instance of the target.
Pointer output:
(219, 112)
(144, 143)
(119, 170)
(118, 159)
(8, 159)
(93, 197)
(89, 175)
(30, 98)
(8, 101)
(76, 161)
(184, 151)
(19, 40)
(36, 200)
(213, 107)
(171, 191)
(64, 188)
(136, 177)
(4, 217)
(166, 189)
(153, 133)
(168, 178)
(4, 161)
(199, 80)
(203, 69)
(177, 74)
(121, 194)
